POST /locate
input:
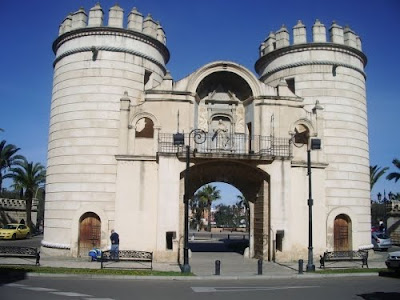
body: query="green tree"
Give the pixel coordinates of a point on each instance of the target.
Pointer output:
(207, 195)
(394, 175)
(8, 157)
(224, 216)
(29, 177)
(375, 173)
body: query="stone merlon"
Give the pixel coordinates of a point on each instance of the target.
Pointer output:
(337, 35)
(135, 21)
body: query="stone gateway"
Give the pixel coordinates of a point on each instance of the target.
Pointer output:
(113, 163)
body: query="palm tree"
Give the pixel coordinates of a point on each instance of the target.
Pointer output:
(197, 208)
(208, 194)
(7, 158)
(394, 175)
(29, 177)
(243, 202)
(375, 173)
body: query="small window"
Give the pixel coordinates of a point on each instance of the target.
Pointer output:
(169, 235)
(146, 79)
(279, 240)
(144, 128)
(291, 85)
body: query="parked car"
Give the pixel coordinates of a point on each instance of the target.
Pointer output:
(381, 241)
(393, 261)
(15, 231)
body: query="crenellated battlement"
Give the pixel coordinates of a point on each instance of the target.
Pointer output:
(337, 35)
(135, 21)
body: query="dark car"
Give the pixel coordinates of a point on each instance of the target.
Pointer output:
(393, 261)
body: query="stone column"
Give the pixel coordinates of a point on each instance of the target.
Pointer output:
(124, 122)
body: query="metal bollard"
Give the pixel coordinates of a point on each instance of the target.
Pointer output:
(217, 267)
(260, 265)
(301, 266)
(228, 237)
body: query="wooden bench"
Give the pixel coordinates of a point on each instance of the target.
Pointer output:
(127, 256)
(338, 256)
(20, 252)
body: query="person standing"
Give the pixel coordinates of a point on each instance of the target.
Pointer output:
(114, 237)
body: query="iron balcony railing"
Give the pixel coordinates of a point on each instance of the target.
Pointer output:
(239, 144)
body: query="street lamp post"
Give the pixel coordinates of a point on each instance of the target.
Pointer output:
(315, 144)
(385, 206)
(179, 139)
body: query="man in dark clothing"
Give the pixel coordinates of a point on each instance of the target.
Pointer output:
(114, 237)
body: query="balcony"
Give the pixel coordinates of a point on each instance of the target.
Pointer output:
(234, 146)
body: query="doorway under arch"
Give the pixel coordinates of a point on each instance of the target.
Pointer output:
(89, 233)
(252, 182)
(342, 233)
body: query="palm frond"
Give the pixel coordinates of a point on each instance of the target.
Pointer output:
(394, 175)
(375, 174)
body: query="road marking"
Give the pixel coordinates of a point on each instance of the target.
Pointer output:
(38, 289)
(55, 292)
(97, 298)
(15, 285)
(70, 294)
(199, 289)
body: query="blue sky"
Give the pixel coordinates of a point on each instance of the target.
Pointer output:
(198, 32)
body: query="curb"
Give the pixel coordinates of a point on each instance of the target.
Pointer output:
(198, 278)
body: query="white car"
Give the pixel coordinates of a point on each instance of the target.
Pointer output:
(381, 241)
(393, 261)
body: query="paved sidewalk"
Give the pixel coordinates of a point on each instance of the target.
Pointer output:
(233, 265)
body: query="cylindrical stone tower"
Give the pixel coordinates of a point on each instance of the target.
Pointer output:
(97, 68)
(331, 72)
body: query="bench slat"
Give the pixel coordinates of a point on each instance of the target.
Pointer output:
(127, 255)
(20, 252)
(351, 255)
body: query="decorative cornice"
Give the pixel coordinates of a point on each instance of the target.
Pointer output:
(266, 59)
(112, 31)
(134, 158)
(110, 49)
(312, 63)
(366, 247)
(55, 245)
(303, 164)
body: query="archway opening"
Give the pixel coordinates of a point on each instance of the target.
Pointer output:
(89, 233)
(253, 184)
(220, 217)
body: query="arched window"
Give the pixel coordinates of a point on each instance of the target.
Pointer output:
(144, 128)
(301, 134)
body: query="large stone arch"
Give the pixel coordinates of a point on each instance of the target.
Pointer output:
(224, 66)
(252, 182)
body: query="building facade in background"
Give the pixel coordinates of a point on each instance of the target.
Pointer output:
(113, 164)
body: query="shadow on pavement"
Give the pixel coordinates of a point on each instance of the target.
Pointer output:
(380, 296)
(10, 275)
(391, 274)
(222, 245)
